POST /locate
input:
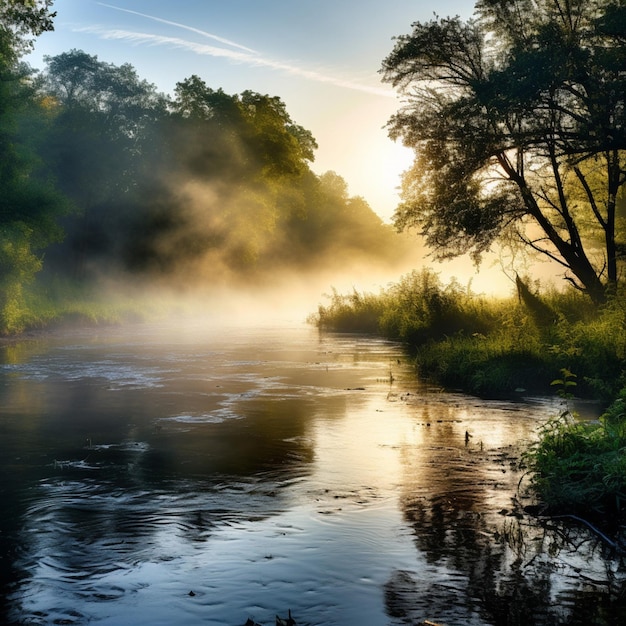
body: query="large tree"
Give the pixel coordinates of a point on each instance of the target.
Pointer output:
(99, 146)
(518, 125)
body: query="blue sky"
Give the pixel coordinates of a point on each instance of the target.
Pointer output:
(320, 57)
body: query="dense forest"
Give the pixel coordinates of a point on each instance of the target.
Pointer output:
(105, 178)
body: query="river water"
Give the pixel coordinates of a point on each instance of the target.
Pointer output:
(223, 473)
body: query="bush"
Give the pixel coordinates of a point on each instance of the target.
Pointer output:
(581, 466)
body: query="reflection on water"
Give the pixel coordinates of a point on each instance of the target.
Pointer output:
(229, 473)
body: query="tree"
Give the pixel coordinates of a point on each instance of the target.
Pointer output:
(29, 205)
(20, 22)
(518, 124)
(99, 146)
(254, 127)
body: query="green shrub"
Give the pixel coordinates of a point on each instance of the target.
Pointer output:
(581, 466)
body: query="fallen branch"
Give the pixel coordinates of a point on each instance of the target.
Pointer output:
(594, 529)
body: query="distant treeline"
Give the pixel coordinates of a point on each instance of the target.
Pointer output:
(104, 176)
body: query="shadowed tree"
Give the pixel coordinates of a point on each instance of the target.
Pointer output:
(29, 205)
(208, 186)
(99, 142)
(232, 160)
(517, 121)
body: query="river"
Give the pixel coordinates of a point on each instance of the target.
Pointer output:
(211, 474)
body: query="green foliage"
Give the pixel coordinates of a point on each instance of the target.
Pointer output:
(51, 303)
(201, 189)
(19, 264)
(414, 310)
(500, 347)
(206, 186)
(491, 346)
(20, 22)
(29, 205)
(565, 383)
(581, 466)
(517, 121)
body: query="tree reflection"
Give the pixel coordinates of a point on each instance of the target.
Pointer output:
(485, 561)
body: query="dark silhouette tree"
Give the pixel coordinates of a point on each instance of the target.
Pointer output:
(99, 142)
(518, 124)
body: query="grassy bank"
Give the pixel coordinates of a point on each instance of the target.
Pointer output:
(491, 346)
(51, 304)
(556, 342)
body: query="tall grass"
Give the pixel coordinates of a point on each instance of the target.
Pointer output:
(352, 313)
(488, 345)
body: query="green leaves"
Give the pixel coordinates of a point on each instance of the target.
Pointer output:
(20, 22)
(501, 111)
(565, 383)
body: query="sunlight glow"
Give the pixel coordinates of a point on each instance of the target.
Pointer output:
(398, 159)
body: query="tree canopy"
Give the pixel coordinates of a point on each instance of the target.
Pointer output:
(205, 184)
(517, 119)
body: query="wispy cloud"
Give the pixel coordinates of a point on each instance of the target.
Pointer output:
(183, 26)
(236, 52)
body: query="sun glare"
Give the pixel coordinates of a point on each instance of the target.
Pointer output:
(398, 160)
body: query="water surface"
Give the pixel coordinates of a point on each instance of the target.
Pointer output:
(219, 473)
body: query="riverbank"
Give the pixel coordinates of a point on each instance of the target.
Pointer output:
(529, 343)
(488, 346)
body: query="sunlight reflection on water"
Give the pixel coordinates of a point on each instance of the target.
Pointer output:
(240, 473)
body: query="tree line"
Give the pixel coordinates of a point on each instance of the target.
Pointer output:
(201, 179)
(104, 176)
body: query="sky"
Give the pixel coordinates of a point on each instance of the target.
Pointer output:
(321, 57)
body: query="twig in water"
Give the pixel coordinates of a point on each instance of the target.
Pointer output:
(597, 531)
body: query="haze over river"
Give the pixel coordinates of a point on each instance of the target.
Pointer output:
(220, 473)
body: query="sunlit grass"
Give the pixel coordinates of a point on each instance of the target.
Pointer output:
(489, 345)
